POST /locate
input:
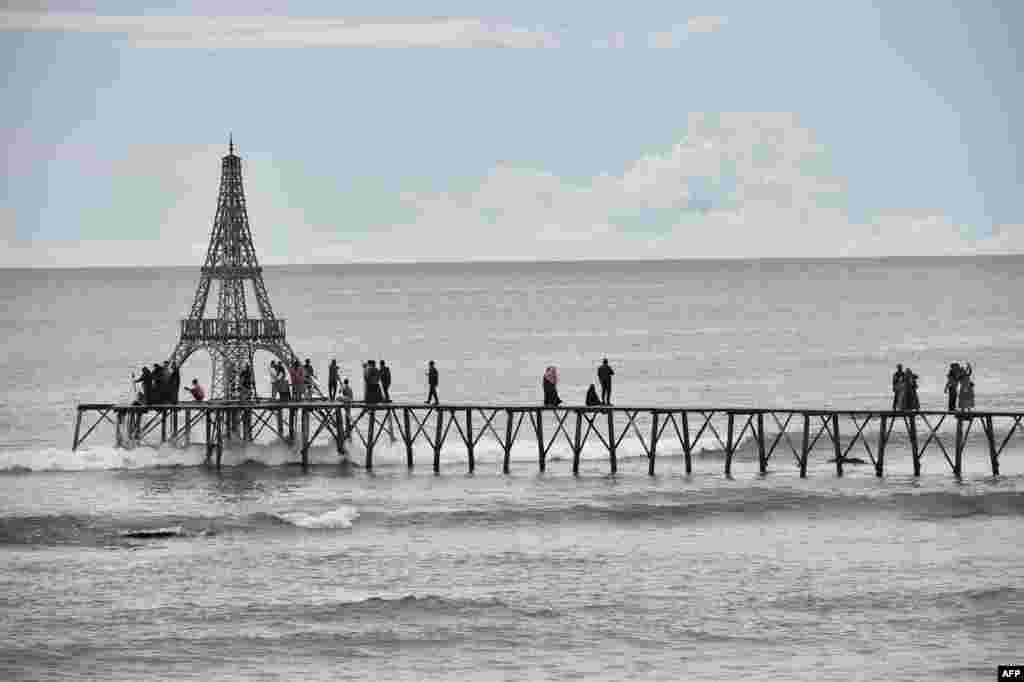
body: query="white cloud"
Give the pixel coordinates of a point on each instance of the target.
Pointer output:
(708, 24)
(267, 31)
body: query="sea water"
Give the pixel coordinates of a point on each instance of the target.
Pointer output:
(141, 564)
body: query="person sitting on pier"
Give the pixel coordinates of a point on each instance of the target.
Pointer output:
(897, 387)
(308, 378)
(332, 379)
(967, 389)
(198, 394)
(549, 384)
(592, 398)
(604, 376)
(346, 391)
(385, 381)
(432, 382)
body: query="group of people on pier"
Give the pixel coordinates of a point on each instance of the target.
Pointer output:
(296, 382)
(549, 385)
(959, 388)
(159, 385)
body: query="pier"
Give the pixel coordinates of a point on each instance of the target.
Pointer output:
(774, 433)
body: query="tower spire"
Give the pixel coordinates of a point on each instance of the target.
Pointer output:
(231, 145)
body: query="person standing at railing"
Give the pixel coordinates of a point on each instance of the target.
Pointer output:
(298, 378)
(385, 381)
(308, 377)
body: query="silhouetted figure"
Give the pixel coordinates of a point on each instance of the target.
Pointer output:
(385, 381)
(604, 376)
(175, 390)
(913, 402)
(897, 383)
(373, 394)
(245, 381)
(967, 389)
(145, 380)
(159, 385)
(280, 381)
(592, 398)
(308, 377)
(198, 394)
(952, 385)
(432, 383)
(346, 391)
(332, 379)
(550, 386)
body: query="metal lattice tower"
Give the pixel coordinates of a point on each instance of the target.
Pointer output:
(232, 337)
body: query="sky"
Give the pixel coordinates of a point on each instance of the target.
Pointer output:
(533, 130)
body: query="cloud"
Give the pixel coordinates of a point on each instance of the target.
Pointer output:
(678, 34)
(267, 31)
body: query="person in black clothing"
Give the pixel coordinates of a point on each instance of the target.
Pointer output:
(373, 394)
(432, 382)
(385, 381)
(245, 380)
(953, 385)
(604, 375)
(592, 398)
(174, 382)
(332, 379)
(159, 384)
(145, 380)
(913, 401)
(897, 379)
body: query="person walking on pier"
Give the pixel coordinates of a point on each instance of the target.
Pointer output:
(198, 394)
(432, 382)
(952, 385)
(897, 387)
(385, 381)
(332, 379)
(604, 376)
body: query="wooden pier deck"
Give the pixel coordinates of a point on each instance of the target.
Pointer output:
(657, 429)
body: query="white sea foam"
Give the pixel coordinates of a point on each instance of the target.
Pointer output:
(342, 517)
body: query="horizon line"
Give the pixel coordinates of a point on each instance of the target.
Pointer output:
(581, 261)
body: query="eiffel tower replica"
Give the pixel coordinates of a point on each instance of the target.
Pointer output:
(232, 337)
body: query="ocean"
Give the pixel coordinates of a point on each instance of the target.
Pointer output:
(143, 564)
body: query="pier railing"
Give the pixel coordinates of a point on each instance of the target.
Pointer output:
(767, 432)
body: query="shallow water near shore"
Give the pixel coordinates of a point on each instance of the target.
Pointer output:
(140, 564)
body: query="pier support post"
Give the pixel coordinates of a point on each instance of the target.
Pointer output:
(508, 441)
(838, 446)
(990, 436)
(348, 422)
(219, 424)
(407, 436)
(247, 424)
(577, 444)
(805, 451)
(687, 448)
(279, 414)
(882, 437)
(369, 439)
(654, 443)
(174, 425)
(188, 427)
(437, 440)
(208, 419)
(541, 453)
(469, 440)
(163, 426)
(762, 459)
(78, 428)
(291, 426)
(912, 431)
(729, 446)
(304, 435)
(339, 433)
(119, 430)
(958, 452)
(612, 458)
